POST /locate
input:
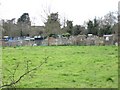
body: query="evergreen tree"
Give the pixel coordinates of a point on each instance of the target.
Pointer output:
(69, 27)
(90, 27)
(24, 24)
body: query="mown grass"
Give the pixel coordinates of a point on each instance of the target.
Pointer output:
(66, 67)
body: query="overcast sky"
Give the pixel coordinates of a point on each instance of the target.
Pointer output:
(76, 10)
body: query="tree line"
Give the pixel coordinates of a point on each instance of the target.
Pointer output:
(52, 26)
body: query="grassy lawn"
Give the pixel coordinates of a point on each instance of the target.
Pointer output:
(66, 67)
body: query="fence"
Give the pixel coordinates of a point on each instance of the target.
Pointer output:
(73, 40)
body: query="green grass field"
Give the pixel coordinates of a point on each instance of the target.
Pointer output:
(66, 67)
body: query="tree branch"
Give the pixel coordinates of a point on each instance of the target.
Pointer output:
(35, 68)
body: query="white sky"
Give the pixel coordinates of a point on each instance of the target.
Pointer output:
(76, 10)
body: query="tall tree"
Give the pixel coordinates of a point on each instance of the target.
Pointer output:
(90, 26)
(96, 27)
(111, 18)
(52, 26)
(24, 24)
(69, 27)
(106, 24)
(24, 18)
